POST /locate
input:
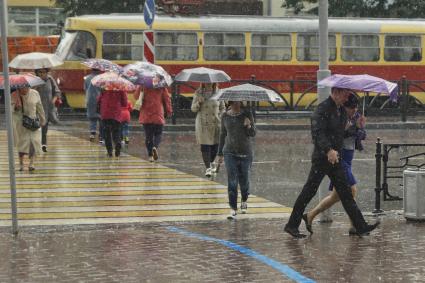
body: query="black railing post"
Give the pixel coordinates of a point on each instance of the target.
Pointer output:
(175, 89)
(378, 156)
(254, 104)
(291, 94)
(385, 171)
(404, 99)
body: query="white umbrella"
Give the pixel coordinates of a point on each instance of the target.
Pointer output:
(202, 75)
(247, 92)
(35, 60)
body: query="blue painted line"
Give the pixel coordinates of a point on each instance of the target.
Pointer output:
(282, 268)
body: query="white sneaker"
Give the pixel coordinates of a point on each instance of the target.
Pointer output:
(244, 207)
(232, 215)
(208, 172)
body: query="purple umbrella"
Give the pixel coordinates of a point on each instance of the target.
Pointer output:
(362, 83)
(102, 65)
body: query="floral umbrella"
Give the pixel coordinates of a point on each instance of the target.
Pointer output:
(147, 74)
(21, 81)
(113, 81)
(102, 65)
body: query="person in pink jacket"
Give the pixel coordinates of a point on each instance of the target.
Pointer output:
(125, 122)
(110, 103)
(155, 108)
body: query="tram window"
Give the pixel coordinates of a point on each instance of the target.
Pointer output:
(176, 46)
(358, 47)
(402, 48)
(224, 46)
(122, 45)
(271, 47)
(77, 46)
(308, 47)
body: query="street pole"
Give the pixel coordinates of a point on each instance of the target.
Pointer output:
(8, 110)
(323, 92)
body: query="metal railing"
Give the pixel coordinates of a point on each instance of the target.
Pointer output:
(297, 96)
(392, 171)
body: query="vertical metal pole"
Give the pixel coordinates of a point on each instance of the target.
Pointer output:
(37, 21)
(8, 110)
(404, 99)
(378, 156)
(323, 92)
(384, 185)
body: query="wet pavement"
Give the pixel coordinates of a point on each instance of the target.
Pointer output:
(215, 250)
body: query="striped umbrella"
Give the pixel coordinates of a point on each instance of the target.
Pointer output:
(102, 65)
(247, 92)
(21, 81)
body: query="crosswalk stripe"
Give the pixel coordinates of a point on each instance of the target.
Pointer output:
(76, 183)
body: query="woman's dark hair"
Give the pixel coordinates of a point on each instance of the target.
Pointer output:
(37, 71)
(352, 101)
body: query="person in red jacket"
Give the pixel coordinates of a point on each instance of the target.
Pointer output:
(155, 108)
(110, 103)
(125, 122)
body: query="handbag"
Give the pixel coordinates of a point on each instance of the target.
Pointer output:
(28, 122)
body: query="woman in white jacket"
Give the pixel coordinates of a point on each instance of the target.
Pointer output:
(207, 125)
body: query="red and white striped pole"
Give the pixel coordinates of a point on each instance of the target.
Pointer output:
(148, 47)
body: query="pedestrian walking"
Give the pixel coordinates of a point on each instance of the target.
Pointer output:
(125, 122)
(237, 128)
(156, 106)
(26, 103)
(110, 103)
(327, 129)
(207, 124)
(92, 94)
(354, 134)
(49, 93)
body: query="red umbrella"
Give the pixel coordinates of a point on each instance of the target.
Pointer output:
(22, 80)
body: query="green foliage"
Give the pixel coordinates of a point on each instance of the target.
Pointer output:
(366, 8)
(82, 7)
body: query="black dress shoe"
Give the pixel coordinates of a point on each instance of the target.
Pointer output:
(294, 232)
(308, 226)
(368, 228)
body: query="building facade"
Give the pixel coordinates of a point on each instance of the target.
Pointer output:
(33, 17)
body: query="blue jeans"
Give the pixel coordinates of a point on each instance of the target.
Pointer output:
(125, 132)
(238, 170)
(93, 125)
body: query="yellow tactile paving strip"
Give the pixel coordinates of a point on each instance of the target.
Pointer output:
(75, 183)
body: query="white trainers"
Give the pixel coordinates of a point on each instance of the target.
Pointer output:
(232, 215)
(208, 172)
(244, 207)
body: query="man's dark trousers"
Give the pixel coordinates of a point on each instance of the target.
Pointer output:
(318, 170)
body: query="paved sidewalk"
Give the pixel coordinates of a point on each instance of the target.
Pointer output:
(215, 251)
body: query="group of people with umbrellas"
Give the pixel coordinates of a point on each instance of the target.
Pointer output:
(34, 102)
(223, 130)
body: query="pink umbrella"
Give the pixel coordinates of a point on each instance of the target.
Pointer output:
(113, 81)
(21, 81)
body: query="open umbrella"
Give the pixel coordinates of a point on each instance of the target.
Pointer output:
(22, 80)
(202, 75)
(147, 74)
(362, 83)
(35, 60)
(102, 65)
(247, 92)
(113, 81)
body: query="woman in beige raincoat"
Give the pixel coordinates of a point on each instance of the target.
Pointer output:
(27, 101)
(207, 125)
